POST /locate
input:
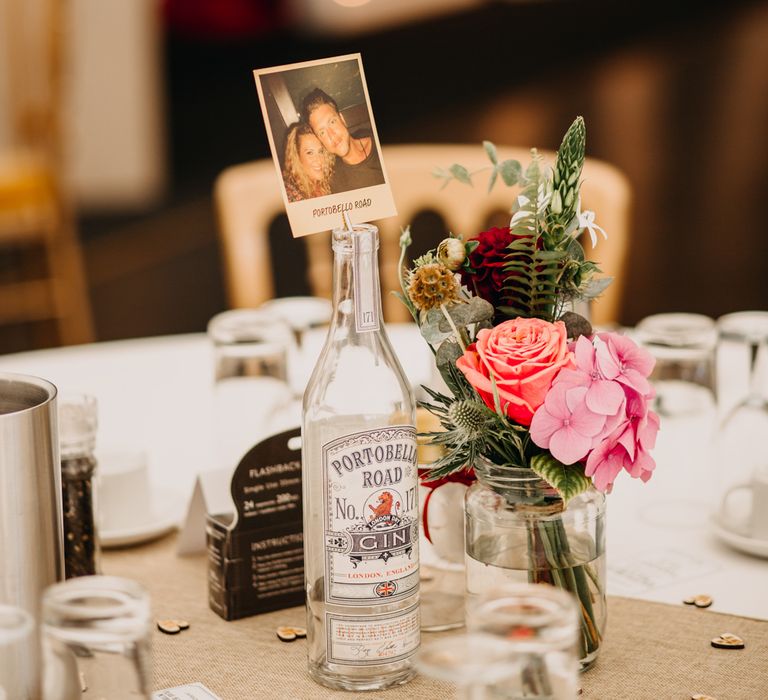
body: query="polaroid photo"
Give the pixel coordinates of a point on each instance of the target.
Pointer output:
(324, 143)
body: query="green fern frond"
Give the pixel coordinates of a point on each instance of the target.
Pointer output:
(531, 285)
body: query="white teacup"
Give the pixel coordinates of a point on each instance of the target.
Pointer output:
(123, 498)
(744, 507)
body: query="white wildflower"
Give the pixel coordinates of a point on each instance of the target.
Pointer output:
(586, 220)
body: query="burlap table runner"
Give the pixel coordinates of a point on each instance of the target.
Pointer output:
(651, 651)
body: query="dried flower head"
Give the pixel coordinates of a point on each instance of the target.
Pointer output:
(452, 253)
(432, 285)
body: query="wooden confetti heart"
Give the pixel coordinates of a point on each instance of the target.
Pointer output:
(728, 641)
(288, 634)
(168, 626)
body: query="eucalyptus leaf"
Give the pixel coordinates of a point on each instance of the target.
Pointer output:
(510, 171)
(490, 149)
(576, 250)
(568, 481)
(448, 352)
(445, 360)
(463, 314)
(430, 327)
(461, 173)
(596, 287)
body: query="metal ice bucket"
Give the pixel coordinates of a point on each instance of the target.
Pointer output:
(31, 539)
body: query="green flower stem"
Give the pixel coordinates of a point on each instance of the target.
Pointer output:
(460, 339)
(403, 286)
(581, 586)
(550, 540)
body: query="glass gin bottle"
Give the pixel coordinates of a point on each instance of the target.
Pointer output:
(361, 557)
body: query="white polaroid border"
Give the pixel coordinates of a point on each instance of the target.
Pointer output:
(323, 213)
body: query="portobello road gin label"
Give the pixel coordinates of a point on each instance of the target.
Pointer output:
(371, 524)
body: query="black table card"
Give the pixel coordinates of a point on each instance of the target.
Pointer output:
(256, 558)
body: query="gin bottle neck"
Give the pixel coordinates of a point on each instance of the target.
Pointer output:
(356, 292)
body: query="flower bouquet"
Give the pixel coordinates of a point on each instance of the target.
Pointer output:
(541, 410)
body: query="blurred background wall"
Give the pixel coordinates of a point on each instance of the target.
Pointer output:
(160, 98)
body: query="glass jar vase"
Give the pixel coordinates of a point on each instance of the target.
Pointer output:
(519, 530)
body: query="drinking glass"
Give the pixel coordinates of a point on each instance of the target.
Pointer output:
(250, 348)
(540, 623)
(684, 374)
(441, 539)
(477, 665)
(742, 498)
(684, 377)
(441, 558)
(17, 661)
(96, 639)
(300, 314)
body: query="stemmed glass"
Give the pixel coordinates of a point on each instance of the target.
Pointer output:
(742, 447)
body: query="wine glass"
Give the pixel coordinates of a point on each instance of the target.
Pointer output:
(742, 498)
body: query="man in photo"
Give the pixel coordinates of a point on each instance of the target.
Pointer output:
(357, 163)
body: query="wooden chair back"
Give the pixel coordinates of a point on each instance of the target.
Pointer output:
(248, 199)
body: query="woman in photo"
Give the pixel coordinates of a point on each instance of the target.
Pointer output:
(308, 166)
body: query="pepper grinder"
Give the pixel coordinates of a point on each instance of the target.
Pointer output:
(77, 439)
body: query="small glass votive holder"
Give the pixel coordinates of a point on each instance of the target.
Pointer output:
(19, 662)
(540, 624)
(684, 348)
(96, 639)
(251, 386)
(476, 664)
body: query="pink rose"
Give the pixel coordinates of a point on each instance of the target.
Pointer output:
(523, 356)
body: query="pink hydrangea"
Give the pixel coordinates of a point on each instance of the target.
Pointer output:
(564, 425)
(608, 387)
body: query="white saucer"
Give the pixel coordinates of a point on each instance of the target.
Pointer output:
(750, 545)
(160, 524)
(145, 533)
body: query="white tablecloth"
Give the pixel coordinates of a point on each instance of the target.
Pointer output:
(155, 394)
